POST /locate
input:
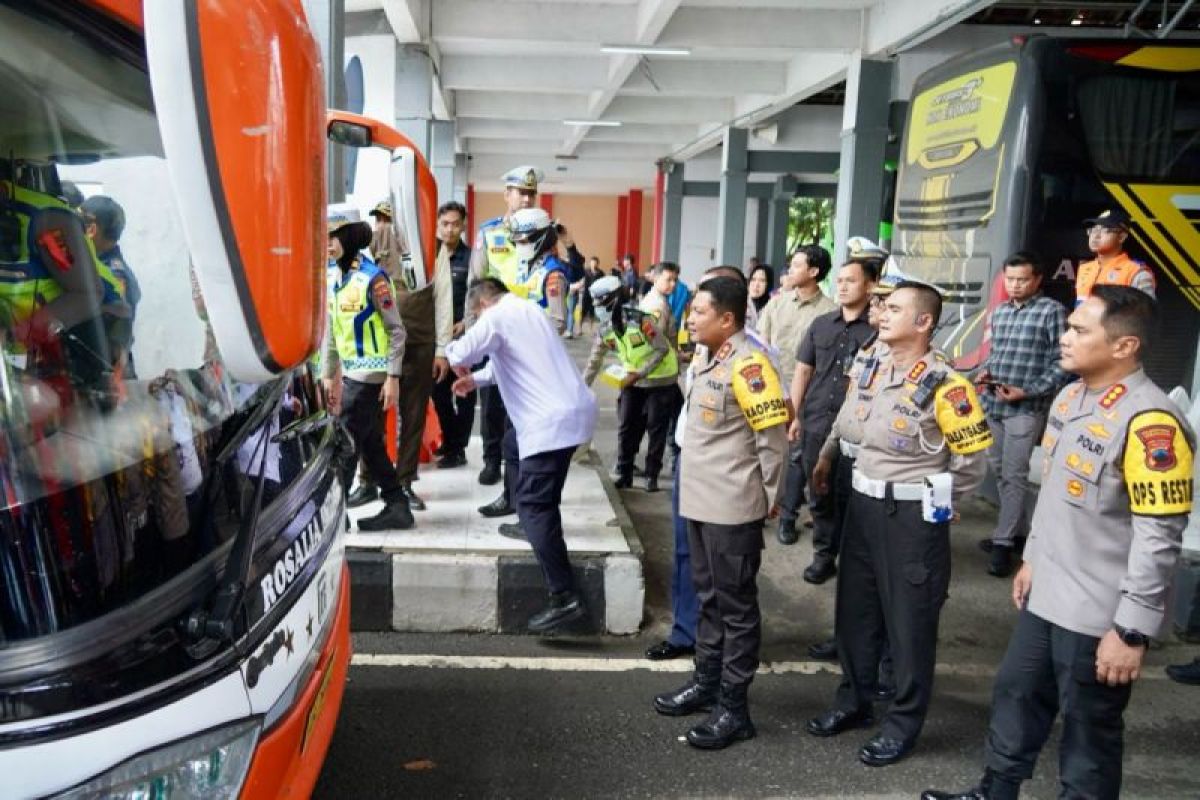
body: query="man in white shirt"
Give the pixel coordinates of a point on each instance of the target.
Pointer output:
(552, 413)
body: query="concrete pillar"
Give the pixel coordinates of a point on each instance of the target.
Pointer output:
(326, 18)
(461, 187)
(779, 206)
(731, 202)
(441, 157)
(672, 222)
(546, 203)
(622, 229)
(760, 235)
(864, 149)
(633, 228)
(414, 99)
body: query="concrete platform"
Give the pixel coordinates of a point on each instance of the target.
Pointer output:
(455, 572)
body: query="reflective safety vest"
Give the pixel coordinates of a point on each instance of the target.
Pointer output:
(634, 346)
(532, 285)
(354, 321)
(1121, 270)
(501, 253)
(28, 283)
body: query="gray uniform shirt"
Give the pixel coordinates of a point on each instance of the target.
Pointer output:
(905, 442)
(735, 437)
(1115, 495)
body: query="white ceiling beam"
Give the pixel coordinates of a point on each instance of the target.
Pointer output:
(692, 78)
(575, 22)
(760, 27)
(475, 128)
(491, 167)
(676, 109)
(409, 19)
(518, 106)
(897, 24)
(652, 17)
(528, 73)
(635, 133)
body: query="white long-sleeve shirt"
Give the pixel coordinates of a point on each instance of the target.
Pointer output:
(548, 403)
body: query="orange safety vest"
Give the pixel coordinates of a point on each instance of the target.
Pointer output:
(1120, 271)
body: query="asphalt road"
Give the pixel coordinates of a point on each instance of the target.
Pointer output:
(518, 717)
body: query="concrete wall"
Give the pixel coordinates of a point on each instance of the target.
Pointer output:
(378, 56)
(592, 219)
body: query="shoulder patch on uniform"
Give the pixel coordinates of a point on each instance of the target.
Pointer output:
(648, 328)
(381, 293)
(758, 392)
(1158, 465)
(960, 417)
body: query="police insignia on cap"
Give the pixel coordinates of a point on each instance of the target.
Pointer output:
(530, 179)
(1159, 441)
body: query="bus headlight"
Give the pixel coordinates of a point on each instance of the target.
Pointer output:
(211, 766)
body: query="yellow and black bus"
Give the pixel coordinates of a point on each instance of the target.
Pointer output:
(1012, 147)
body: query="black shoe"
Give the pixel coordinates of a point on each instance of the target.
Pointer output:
(992, 787)
(882, 751)
(651, 484)
(490, 474)
(665, 650)
(729, 721)
(786, 533)
(884, 692)
(395, 516)
(698, 694)
(512, 530)
(414, 502)
(622, 481)
(365, 493)
(831, 723)
(1185, 673)
(824, 651)
(1001, 562)
(500, 507)
(563, 609)
(452, 460)
(1018, 545)
(820, 570)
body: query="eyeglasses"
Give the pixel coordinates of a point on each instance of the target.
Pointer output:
(1103, 229)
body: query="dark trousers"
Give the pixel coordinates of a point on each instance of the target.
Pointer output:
(793, 484)
(538, 488)
(456, 415)
(685, 606)
(416, 382)
(827, 521)
(644, 411)
(725, 562)
(1047, 670)
(493, 418)
(895, 570)
(360, 414)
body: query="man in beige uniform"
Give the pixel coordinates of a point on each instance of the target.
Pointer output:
(922, 426)
(1100, 560)
(734, 442)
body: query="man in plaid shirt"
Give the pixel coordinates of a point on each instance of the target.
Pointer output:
(1018, 382)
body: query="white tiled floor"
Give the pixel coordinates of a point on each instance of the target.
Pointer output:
(451, 522)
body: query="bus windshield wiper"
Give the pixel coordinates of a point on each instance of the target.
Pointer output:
(208, 629)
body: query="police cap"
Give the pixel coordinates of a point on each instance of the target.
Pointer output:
(524, 177)
(339, 215)
(1110, 218)
(382, 209)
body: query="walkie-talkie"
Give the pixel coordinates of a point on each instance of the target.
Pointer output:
(926, 387)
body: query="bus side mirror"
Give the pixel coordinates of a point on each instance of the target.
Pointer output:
(350, 134)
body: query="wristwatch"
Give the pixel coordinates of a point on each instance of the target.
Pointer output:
(1131, 637)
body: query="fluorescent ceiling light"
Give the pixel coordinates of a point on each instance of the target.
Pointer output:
(645, 50)
(600, 123)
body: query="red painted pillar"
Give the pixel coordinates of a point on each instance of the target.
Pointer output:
(633, 228)
(470, 220)
(660, 188)
(622, 229)
(546, 201)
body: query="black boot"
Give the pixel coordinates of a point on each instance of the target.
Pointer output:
(503, 505)
(991, 787)
(396, 515)
(490, 474)
(729, 721)
(1001, 562)
(365, 493)
(623, 479)
(698, 694)
(563, 609)
(651, 484)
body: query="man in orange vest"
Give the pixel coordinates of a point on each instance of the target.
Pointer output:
(1106, 239)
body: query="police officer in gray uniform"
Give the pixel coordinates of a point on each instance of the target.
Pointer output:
(922, 424)
(1101, 556)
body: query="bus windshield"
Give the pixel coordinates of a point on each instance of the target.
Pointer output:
(113, 398)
